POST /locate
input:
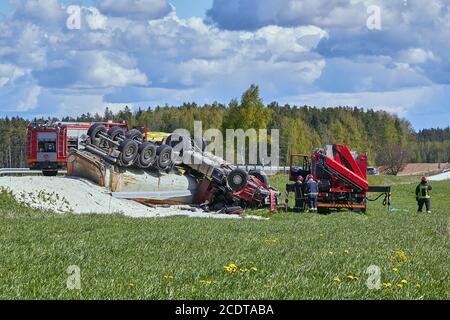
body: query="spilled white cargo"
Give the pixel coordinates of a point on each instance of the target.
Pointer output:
(78, 196)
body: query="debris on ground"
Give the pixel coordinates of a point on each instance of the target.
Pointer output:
(79, 196)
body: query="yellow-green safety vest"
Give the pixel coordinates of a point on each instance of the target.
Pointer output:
(424, 192)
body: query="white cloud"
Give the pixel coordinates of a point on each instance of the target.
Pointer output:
(9, 72)
(18, 90)
(136, 9)
(400, 102)
(43, 12)
(114, 71)
(94, 19)
(416, 56)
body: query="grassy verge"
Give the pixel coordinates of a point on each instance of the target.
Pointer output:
(291, 256)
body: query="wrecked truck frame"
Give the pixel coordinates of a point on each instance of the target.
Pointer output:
(209, 181)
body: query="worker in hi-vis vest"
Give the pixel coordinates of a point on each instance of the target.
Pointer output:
(423, 194)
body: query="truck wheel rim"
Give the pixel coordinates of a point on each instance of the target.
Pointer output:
(165, 157)
(130, 151)
(237, 179)
(148, 154)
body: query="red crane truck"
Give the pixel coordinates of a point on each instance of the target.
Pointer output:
(341, 176)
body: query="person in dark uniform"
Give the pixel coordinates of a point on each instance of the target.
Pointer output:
(423, 194)
(313, 190)
(299, 195)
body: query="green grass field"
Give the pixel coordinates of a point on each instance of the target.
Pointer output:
(289, 256)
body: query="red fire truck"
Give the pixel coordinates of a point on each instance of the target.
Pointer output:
(48, 143)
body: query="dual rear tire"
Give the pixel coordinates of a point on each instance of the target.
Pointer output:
(147, 155)
(164, 157)
(129, 151)
(133, 149)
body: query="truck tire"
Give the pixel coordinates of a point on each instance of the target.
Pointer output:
(260, 175)
(129, 151)
(147, 155)
(95, 129)
(94, 132)
(237, 179)
(115, 132)
(164, 157)
(135, 134)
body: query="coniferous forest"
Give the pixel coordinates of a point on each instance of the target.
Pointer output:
(302, 128)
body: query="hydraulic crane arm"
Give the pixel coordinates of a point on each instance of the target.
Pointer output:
(341, 172)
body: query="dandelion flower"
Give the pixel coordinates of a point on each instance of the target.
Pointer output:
(400, 285)
(169, 277)
(254, 269)
(231, 268)
(330, 253)
(351, 277)
(395, 269)
(400, 257)
(404, 281)
(337, 279)
(387, 285)
(346, 251)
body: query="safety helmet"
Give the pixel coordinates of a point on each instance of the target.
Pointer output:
(424, 179)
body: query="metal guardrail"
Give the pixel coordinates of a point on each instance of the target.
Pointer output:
(24, 171)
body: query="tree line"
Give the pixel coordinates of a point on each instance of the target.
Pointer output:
(302, 128)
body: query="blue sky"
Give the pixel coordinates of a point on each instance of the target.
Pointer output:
(380, 54)
(185, 8)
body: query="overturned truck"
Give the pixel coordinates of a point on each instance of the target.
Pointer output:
(173, 171)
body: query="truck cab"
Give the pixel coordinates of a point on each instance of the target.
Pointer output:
(46, 148)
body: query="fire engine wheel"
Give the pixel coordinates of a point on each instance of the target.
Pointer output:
(135, 134)
(164, 157)
(115, 132)
(237, 179)
(260, 175)
(147, 155)
(129, 151)
(52, 173)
